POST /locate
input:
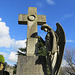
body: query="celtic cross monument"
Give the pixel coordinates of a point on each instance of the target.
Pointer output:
(30, 64)
(32, 20)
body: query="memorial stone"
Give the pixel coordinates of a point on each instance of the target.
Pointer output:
(31, 64)
(32, 20)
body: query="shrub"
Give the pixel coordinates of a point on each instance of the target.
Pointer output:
(2, 60)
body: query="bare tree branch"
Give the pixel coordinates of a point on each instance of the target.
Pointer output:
(69, 57)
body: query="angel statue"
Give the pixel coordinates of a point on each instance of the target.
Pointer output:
(55, 44)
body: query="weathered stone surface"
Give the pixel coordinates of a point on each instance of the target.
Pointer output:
(32, 20)
(41, 19)
(31, 65)
(55, 44)
(32, 46)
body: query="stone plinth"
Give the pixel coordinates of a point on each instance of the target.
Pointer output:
(31, 65)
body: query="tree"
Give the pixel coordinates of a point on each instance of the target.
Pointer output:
(41, 48)
(15, 68)
(2, 60)
(70, 58)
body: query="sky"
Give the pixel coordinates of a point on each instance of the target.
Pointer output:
(13, 35)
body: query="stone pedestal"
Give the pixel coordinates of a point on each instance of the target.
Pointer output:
(31, 65)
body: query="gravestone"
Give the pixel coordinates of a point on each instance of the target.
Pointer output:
(31, 64)
(9, 69)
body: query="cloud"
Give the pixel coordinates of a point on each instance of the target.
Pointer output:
(0, 19)
(70, 41)
(39, 4)
(12, 57)
(65, 16)
(51, 2)
(4, 54)
(18, 44)
(11, 44)
(5, 40)
(21, 43)
(68, 15)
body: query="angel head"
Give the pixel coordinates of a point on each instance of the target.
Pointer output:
(46, 28)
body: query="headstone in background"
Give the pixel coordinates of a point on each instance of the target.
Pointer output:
(10, 70)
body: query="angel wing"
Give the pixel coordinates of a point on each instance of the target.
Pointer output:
(61, 43)
(57, 58)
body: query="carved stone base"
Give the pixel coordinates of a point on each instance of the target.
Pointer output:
(31, 65)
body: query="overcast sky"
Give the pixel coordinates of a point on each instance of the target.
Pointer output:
(13, 35)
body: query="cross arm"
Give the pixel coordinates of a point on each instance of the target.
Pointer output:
(22, 19)
(41, 19)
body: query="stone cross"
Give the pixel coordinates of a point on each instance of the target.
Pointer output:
(32, 20)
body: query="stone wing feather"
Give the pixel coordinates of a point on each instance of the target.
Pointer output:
(61, 34)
